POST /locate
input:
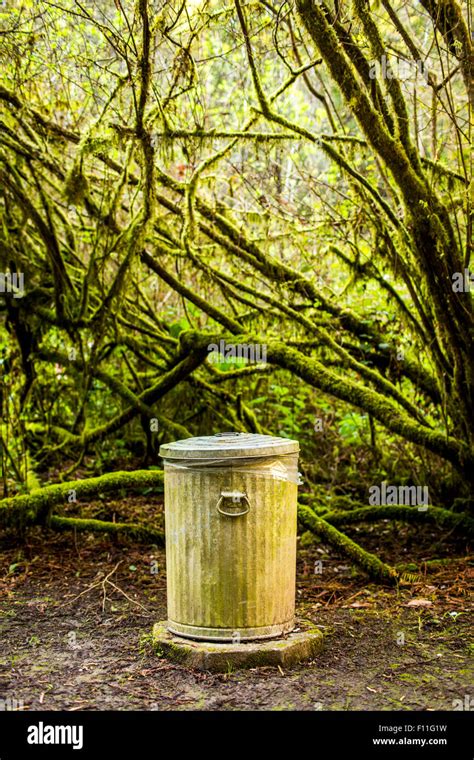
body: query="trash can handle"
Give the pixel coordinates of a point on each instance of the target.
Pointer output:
(235, 496)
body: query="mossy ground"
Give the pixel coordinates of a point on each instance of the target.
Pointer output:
(70, 644)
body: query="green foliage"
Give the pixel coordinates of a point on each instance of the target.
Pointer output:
(164, 184)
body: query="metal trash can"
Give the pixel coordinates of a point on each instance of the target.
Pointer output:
(230, 512)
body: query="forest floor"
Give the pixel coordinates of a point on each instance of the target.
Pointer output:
(73, 641)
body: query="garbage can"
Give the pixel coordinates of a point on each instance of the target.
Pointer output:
(230, 512)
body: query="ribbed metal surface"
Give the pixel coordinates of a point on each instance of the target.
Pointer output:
(230, 577)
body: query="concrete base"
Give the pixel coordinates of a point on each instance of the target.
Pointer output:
(302, 644)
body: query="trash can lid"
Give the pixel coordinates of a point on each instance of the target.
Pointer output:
(229, 445)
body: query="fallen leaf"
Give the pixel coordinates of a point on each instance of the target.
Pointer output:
(419, 603)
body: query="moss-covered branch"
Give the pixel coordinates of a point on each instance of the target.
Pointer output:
(115, 385)
(149, 396)
(432, 515)
(381, 408)
(368, 562)
(431, 224)
(138, 533)
(35, 507)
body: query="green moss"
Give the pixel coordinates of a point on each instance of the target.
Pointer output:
(368, 562)
(139, 533)
(176, 652)
(433, 515)
(35, 507)
(308, 539)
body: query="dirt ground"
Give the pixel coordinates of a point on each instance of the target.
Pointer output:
(77, 613)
